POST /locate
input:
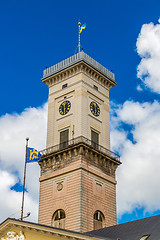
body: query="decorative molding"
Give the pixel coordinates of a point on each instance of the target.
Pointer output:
(14, 236)
(59, 186)
(62, 158)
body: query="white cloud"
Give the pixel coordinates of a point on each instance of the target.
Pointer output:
(136, 132)
(139, 88)
(148, 48)
(14, 128)
(138, 176)
(10, 201)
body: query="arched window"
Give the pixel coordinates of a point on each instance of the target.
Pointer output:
(98, 220)
(58, 219)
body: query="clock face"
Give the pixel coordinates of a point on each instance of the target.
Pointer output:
(95, 110)
(64, 107)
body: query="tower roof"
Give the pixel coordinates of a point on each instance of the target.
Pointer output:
(81, 56)
(146, 228)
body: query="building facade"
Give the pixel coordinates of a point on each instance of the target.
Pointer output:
(77, 183)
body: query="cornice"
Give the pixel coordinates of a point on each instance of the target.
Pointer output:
(10, 223)
(80, 56)
(80, 67)
(62, 158)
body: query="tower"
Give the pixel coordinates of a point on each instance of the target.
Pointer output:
(77, 183)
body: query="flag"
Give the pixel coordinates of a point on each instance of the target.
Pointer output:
(82, 27)
(33, 155)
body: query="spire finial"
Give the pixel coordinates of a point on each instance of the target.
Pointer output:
(79, 40)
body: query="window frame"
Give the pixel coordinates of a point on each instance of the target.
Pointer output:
(95, 144)
(97, 224)
(64, 143)
(60, 222)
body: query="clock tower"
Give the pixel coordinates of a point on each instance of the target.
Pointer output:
(77, 183)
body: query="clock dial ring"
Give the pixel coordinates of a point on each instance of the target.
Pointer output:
(95, 109)
(64, 107)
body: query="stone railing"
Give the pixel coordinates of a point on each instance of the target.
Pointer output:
(81, 56)
(80, 140)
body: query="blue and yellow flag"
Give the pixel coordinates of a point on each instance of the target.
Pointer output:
(82, 27)
(33, 155)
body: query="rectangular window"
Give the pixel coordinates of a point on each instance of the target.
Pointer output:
(64, 86)
(95, 87)
(94, 139)
(64, 137)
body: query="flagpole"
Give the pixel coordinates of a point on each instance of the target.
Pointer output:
(24, 180)
(79, 40)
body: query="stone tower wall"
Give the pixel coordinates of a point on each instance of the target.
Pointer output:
(85, 190)
(80, 177)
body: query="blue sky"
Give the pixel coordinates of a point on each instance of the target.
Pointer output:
(38, 34)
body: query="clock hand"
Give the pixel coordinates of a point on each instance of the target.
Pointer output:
(64, 106)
